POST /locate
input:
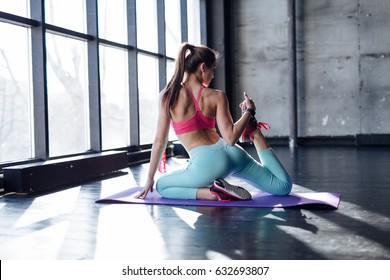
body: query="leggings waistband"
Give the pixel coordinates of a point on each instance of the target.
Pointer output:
(220, 144)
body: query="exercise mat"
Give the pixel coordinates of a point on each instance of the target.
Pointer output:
(259, 200)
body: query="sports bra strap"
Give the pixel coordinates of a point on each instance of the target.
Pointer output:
(198, 121)
(196, 101)
(199, 93)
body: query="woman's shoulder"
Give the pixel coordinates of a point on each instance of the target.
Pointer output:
(216, 97)
(216, 93)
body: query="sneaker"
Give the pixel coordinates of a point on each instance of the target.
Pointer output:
(227, 192)
(250, 129)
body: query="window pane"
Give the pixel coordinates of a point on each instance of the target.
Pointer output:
(193, 15)
(113, 20)
(147, 25)
(114, 97)
(15, 113)
(67, 95)
(170, 71)
(68, 14)
(16, 7)
(172, 27)
(148, 97)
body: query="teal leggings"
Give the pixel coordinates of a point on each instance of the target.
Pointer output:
(220, 160)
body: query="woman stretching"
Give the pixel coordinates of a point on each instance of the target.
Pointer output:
(193, 110)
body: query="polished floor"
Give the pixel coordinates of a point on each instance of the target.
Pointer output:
(68, 224)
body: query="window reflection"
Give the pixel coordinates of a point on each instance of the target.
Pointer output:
(15, 105)
(16, 7)
(148, 97)
(193, 17)
(147, 25)
(67, 95)
(113, 20)
(172, 27)
(69, 14)
(69, 68)
(114, 97)
(170, 71)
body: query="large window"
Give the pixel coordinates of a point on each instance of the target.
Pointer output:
(15, 94)
(67, 95)
(148, 97)
(193, 15)
(170, 71)
(78, 76)
(16, 7)
(147, 25)
(172, 27)
(113, 20)
(68, 14)
(114, 97)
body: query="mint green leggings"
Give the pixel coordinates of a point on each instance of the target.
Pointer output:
(220, 160)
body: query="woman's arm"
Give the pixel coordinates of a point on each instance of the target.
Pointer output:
(231, 131)
(158, 148)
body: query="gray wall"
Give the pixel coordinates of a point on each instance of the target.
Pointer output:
(343, 64)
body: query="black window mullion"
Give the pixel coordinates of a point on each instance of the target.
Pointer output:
(162, 62)
(18, 20)
(184, 20)
(133, 73)
(39, 81)
(95, 132)
(203, 21)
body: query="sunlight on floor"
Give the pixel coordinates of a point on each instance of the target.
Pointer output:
(117, 184)
(121, 233)
(317, 237)
(188, 216)
(58, 203)
(44, 243)
(213, 255)
(371, 218)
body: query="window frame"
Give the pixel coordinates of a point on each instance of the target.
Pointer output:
(38, 29)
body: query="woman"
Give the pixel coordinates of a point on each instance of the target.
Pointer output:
(193, 110)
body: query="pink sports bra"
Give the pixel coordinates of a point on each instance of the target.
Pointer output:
(197, 122)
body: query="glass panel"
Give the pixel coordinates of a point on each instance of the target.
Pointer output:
(16, 7)
(170, 71)
(193, 15)
(68, 14)
(172, 27)
(114, 97)
(148, 97)
(15, 103)
(67, 95)
(113, 20)
(147, 25)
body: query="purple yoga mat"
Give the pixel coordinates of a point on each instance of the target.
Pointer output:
(259, 200)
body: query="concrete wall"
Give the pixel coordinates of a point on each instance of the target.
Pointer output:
(259, 45)
(343, 64)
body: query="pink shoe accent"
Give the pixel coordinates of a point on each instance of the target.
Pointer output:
(260, 125)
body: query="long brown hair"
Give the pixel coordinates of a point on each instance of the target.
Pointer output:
(187, 61)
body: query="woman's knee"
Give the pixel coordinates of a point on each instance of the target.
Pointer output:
(285, 187)
(160, 187)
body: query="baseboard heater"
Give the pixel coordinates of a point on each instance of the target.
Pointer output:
(51, 174)
(1, 183)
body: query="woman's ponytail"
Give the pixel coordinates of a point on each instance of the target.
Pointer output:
(188, 60)
(171, 91)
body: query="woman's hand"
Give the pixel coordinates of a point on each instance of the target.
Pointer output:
(247, 103)
(148, 187)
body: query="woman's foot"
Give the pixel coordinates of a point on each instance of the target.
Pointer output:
(227, 192)
(250, 129)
